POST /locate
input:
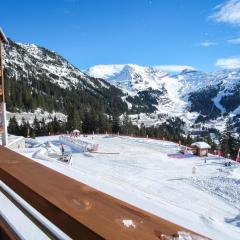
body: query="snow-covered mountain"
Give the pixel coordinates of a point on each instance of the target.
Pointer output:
(39, 78)
(212, 94)
(25, 60)
(191, 95)
(36, 78)
(131, 78)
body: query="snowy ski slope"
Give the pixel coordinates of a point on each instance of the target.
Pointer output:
(141, 172)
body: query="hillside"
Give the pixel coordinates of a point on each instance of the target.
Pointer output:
(39, 78)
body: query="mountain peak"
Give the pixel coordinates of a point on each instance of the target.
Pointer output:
(130, 77)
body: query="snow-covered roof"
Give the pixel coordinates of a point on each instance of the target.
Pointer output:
(76, 131)
(2, 36)
(200, 145)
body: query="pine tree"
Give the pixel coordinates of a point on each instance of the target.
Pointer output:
(229, 143)
(56, 125)
(115, 124)
(142, 130)
(13, 127)
(127, 126)
(102, 123)
(36, 127)
(24, 128)
(73, 121)
(44, 130)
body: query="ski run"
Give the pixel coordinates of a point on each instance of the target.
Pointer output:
(198, 193)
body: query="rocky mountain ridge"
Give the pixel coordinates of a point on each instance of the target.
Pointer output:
(192, 95)
(39, 78)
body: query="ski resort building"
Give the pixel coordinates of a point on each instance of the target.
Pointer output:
(200, 148)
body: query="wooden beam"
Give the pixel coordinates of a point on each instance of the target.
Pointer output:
(2, 97)
(3, 119)
(77, 209)
(6, 232)
(2, 36)
(1, 90)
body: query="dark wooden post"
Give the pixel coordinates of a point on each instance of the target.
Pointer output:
(3, 120)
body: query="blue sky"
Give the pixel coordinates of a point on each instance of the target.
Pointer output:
(203, 34)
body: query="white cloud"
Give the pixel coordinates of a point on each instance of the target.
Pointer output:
(234, 41)
(208, 43)
(228, 63)
(173, 68)
(227, 12)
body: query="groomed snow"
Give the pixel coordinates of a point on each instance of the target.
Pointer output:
(201, 145)
(142, 173)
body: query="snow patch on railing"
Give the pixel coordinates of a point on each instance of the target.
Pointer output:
(128, 223)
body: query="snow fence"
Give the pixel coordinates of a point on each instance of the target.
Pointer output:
(79, 144)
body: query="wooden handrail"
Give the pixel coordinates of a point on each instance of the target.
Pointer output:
(77, 209)
(41, 223)
(6, 231)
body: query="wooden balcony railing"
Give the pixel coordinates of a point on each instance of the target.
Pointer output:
(77, 209)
